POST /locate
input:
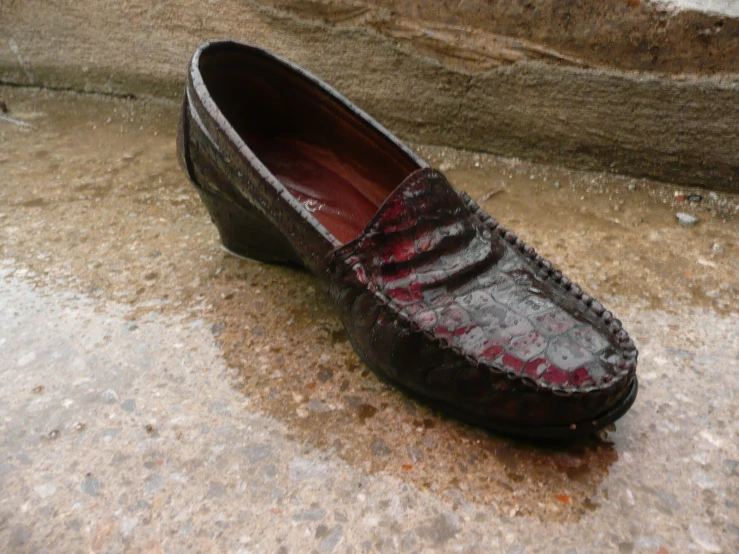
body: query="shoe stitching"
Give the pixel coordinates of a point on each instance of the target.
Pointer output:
(627, 359)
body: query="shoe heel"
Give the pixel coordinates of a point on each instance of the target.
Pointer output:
(246, 232)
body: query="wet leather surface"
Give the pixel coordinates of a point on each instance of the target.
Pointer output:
(434, 294)
(470, 289)
(440, 280)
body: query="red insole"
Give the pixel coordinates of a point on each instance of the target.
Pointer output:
(336, 164)
(338, 192)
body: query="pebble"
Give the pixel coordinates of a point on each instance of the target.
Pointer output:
(216, 490)
(317, 407)
(109, 396)
(257, 452)
(329, 540)
(408, 541)
(441, 529)
(45, 490)
(379, 449)
(717, 248)
(687, 220)
(703, 537)
(414, 453)
(305, 468)
(127, 525)
(703, 480)
(90, 486)
(109, 434)
(325, 375)
(556, 184)
(312, 514)
(26, 359)
(632, 187)
(20, 535)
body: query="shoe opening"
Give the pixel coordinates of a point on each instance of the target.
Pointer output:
(338, 165)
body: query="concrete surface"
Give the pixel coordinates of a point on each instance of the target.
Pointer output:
(159, 395)
(617, 86)
(720, 7)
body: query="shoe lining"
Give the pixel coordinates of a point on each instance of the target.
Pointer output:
(334, 163)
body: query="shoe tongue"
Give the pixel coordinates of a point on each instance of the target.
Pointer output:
(424, 194)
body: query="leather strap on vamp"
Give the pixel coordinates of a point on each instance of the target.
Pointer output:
(430, 257)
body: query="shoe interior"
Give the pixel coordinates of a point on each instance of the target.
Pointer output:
(337, 165)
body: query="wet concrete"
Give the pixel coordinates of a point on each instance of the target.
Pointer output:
(161, 395)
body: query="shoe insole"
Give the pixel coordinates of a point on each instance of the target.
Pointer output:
(336, 164)
(336, 191)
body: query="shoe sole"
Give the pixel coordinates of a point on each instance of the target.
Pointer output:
(576, 430)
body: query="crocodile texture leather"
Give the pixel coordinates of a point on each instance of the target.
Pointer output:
(436, 295)
(471, 313)
(429, 257)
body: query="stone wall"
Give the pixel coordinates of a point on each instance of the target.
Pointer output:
(625, 86)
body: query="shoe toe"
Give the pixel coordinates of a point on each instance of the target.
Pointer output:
(529, 347)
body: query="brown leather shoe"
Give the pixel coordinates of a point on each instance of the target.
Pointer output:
(436, 296)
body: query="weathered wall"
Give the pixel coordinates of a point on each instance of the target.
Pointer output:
(425, 78)
(618, 34)
(719, 7)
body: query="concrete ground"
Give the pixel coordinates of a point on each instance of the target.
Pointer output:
(159, 395)
(721, 7)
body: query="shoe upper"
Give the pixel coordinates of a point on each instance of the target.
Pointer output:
(435, 294)
(454, 274)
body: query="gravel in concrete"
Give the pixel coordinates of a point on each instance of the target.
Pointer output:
(160, 396)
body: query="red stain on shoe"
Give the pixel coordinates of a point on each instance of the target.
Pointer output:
(491, 352)
(512, 362)
(580, 377)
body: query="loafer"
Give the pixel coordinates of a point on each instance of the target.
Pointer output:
(436, 296)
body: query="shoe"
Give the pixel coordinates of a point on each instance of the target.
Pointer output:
(436, 296)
